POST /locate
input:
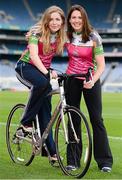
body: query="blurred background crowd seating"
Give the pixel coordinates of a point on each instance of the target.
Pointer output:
(17, 16)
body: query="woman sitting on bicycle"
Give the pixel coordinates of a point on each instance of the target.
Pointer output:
(45, 39)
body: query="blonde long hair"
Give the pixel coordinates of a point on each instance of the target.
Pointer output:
(42, 29)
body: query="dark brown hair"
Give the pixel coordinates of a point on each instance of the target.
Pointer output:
(87, 28)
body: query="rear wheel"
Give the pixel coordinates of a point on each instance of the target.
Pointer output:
(78, 150)
(20, 150)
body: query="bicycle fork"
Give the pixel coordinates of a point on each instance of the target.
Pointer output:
(63, 106)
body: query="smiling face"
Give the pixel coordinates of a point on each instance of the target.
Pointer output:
(76, 21)
(55, 22)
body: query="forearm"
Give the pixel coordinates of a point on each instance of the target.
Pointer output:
(38, 63)
(100, 60)
(36, 59)
(98, 73)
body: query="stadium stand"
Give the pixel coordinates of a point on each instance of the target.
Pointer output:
(16, 17)
(112, 77)
(21, 14)
(18, 12)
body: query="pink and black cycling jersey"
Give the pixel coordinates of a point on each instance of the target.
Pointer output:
(82, 55)
(45, 58)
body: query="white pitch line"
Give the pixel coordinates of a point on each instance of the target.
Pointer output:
(110, 137)
(115, 138)
(4, 124)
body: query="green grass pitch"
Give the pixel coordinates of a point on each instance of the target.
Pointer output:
(40, 167)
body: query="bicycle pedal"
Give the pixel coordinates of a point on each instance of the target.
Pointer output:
(19, 133)
(15, 140)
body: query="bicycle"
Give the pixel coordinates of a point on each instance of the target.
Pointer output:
(23, 150)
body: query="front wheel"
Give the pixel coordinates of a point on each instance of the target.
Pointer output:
(20, 150)
(74, 154)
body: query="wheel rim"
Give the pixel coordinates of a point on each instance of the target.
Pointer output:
(19, 150)
(81, 159)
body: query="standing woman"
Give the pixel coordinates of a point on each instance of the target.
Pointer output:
(85, 50)
(45, 39)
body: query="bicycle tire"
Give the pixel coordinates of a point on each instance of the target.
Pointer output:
(80, 152)
(20, 151)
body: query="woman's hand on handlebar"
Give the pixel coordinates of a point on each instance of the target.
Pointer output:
(53, 74)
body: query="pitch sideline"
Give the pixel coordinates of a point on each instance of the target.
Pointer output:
(110, 137)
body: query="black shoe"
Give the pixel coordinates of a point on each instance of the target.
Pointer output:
(23, 131)
(54, 158)
(54, 161)
(106, 169)
(28, 129)
(71, 168)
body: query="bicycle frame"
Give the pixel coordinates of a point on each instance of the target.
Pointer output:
(59, 109)
(23, 148)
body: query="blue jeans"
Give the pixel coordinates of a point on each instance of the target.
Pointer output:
(39, 103)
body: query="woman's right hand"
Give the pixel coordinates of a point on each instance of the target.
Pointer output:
(53, 74)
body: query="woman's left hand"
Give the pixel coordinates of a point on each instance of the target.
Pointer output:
(89, 84)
